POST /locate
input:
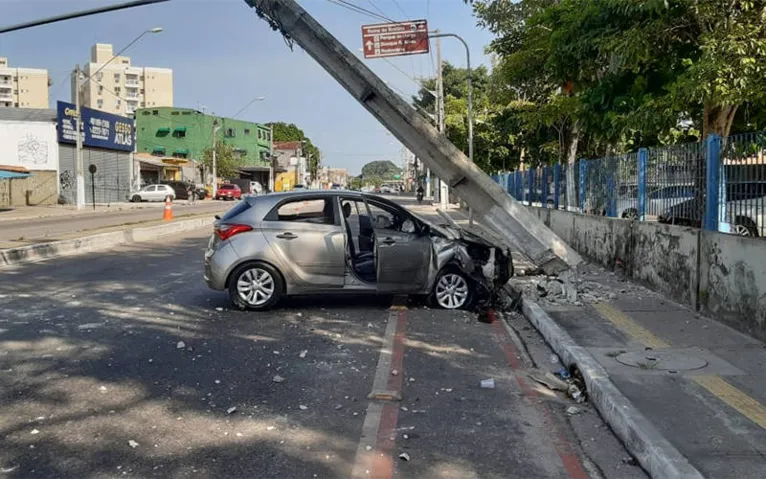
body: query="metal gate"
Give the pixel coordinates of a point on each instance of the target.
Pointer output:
(112, 179)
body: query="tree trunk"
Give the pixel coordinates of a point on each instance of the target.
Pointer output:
(574, 139)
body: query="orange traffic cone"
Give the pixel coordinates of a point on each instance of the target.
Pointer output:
(168, 215)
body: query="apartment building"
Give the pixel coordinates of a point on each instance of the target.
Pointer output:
(23, 87)
(122, 88)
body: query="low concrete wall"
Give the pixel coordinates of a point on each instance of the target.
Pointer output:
(733, 281)
(41, 188)
(721, 274)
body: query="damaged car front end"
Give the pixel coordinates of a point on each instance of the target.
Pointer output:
(487, 265)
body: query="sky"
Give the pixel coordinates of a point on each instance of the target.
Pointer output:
(224, 56)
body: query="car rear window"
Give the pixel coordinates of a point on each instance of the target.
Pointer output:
(236, 210)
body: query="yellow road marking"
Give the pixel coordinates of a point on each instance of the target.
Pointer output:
(733, 397)
(747, 406)
(627, 324)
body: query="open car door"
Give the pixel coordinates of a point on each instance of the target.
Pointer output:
(402, 250)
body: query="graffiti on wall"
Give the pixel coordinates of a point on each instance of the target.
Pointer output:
(32, 151)
(66, 180)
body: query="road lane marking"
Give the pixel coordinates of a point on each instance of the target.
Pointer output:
(629, 326)
(714, 384)
(375, 452)
(564, 448)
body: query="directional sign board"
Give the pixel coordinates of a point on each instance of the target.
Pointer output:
(395, 39)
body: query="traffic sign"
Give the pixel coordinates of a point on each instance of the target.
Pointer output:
(395, 39)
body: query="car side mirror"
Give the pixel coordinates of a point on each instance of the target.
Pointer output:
(217, 217)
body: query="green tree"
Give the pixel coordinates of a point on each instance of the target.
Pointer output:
(227, 161)
(290, 132)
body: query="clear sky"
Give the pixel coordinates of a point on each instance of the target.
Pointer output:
(223, 56)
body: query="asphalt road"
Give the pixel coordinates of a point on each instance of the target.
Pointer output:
(24, 231)
(123, 363)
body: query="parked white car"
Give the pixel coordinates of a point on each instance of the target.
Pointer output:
(152, 193)
(658, 200)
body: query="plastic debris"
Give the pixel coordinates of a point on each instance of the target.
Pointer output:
(231, 410)
(488, 383)
(550, 381)
(219, 309)
(563, 373)
(133, 444)
(404, 456)
(554, 359)
(369, 448)
(302, 407)
(102, 389)
(180, 345)
(575, 393)
(303, 353)
(278, 379)
(34, 431)
(630, 461)
(394, 372)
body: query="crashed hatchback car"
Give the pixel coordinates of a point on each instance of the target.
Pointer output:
(323, 242)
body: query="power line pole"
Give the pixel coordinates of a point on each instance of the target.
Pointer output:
(444, 191)
(79, 169)
(215, 164)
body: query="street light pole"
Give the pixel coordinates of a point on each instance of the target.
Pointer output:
(470, 99)
(215, 165)
(79, 168)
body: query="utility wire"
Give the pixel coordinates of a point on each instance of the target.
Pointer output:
(380, 11)
(358, 9)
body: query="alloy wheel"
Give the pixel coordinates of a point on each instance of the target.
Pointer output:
(255, 286)
(741, 230)
(451, 291)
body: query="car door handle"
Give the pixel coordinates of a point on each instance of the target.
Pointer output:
(388, 241)
(287, 235)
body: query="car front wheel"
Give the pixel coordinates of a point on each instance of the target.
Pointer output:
(255, 286)
(452, 290)
(136, 199)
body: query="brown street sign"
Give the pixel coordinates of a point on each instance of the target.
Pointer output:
(395, 39)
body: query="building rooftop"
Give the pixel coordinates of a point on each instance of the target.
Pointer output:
(28, 114)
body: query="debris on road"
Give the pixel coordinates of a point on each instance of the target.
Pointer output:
(133, 444)
(549, 380)
(404, 456)
(231, 410)
(34, 431)
(219, 309)
(278, 379)
(394, 372)
(303, 353)
(488, 383)
(180, 345)
(90, 325)
(103, 389)
(302, 407)
(630, 461)
(574, 410)
(338, 407)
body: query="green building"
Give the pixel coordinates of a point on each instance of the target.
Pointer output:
(174, 136)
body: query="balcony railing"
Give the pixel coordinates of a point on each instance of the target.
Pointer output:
(131, 82)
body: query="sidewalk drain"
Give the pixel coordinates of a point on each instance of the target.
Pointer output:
(661, 360)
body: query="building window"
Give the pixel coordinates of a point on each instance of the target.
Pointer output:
(119, 103)
(247, 131)
(117, 90)
(100, 103)
(125, 62)
(186, 113)
(174, 113)
(100, 89)
(100, 76)
(155, 112)
(230, 133)
(117, 78)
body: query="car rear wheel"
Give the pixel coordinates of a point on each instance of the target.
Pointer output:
(452, 290)
(136, 199)
(255, 286)
(745, 227)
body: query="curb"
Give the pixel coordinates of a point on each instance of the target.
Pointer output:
(85, 244)
(655, 453)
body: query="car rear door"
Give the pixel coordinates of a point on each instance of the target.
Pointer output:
(402, 257)
(307, 237)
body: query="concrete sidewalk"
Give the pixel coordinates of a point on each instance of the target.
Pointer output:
(700, 383)
(53, 211)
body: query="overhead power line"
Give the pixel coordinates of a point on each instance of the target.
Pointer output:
(380, 11)
(358, 9)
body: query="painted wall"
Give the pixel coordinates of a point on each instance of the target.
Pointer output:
(31, 144)
(720, 274)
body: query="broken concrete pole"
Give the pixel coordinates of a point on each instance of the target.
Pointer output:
(489, 202)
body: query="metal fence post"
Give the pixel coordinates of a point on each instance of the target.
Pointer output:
(611, 197)
(556, 179)
(519, 190)
(544, 183)
(712, 178)
(531, 194)
(583, 172)
(643, 155)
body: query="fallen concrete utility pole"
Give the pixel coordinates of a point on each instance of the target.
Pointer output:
(492, 206)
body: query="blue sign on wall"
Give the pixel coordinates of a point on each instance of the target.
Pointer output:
(100, 129)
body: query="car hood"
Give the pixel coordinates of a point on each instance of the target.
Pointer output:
(455, 232)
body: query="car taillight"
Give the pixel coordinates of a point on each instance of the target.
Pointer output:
(225, 232)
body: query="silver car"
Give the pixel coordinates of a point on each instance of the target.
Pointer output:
(152, 193)
(319, 242)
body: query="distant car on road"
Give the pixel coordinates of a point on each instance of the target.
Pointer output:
(152, 193)
(328, 242)
(299, 188)
(228, 191)
(182, 188)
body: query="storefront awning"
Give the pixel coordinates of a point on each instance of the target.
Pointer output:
(181, 151)
(163, 131)
(12, 175)
(159, 149)
(180, 128)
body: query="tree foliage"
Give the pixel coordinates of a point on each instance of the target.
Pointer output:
(290, 132)
(227, 161)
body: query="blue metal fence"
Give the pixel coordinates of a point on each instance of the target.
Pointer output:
(718, 184)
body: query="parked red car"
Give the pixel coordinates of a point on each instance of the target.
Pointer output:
(228, 191)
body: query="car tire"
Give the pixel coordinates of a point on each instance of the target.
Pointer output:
(135, 199)
(265, 281)
(453, 289)
(745, 227)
